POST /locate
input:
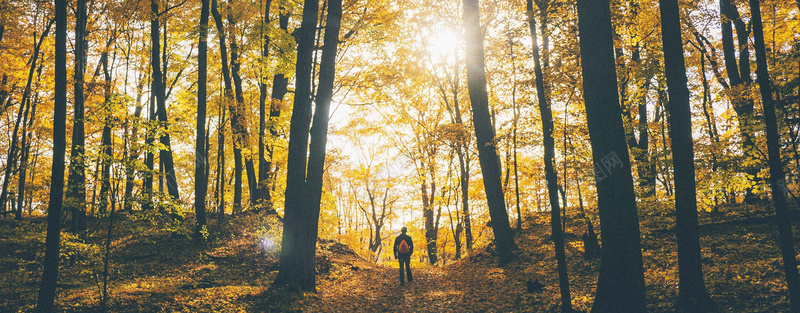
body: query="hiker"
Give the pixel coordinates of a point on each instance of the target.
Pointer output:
(403, 248)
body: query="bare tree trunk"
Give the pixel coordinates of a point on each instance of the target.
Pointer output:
(165, 156)
(514, 134)
(304, 222)
(693, 296)
(47, 290)
(296, 263)
(777, 176)
(485, 135)
(76, 181)
(280, 85)
(241, 137)
(107, 148)
(228, 101)
(549, 169)
(620, 286)
(201, 157)
(26, 147)
(261, 196)
(220, 196)
(591, 247)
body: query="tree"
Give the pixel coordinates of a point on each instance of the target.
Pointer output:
(549, 169)
(241, 136)
(376, 180)
(238, 128)
(47, 290)
(777, 178)
(76, 181)
(201, 158)
(304, 184)
(692, 296)
(159, 89)
(262, 195)
(620, 287)
(739, 77)
(484, 132)
(107, 149)
(22, 116)
(280, 83)
(639, 70)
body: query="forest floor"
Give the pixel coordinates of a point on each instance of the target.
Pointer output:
(154, 271)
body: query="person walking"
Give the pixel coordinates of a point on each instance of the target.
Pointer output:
(403, 248)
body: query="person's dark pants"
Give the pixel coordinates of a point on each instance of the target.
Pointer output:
(405, 260)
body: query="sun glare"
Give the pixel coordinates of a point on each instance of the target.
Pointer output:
(443, 42)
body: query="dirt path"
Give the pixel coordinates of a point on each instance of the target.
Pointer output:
(373, 288)
(378, 289)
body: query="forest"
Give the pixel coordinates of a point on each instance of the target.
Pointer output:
(263, 155)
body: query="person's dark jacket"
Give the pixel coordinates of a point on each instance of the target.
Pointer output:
(397, 245)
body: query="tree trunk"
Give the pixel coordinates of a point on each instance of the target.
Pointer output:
(229, 102)
(777, 177)
(47, 290)
(280, 85)
(220, 196)
(620, 287)
(591, 248)
(640, 148)
(25, 153)
(261, 197)
(662, 119)
(487, 150)
(427, 214)
(550, 171)
(693, 296)
(165, 155)
(201, 158)
(106, 146)
(76, 181)
(241, 137)
(11, 160)
(739, 77)
(708, 112)
(147, 181)
(462, 150)
(130, 160)
(514, 134)
(296, 270)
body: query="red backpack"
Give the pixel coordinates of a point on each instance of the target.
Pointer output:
(403, 247)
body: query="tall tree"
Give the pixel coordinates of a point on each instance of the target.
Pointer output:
(241, 136)
(261, 195)
(777, 177)
(620, 287)
(159, 89)
(451, 85)
(639, 71)
(549, 169)
(304, 185)
(231, 99)
(201, 158)
(692, 296)
(47, 290)
(107, 147)
(484, 131)
(280, 84)
(739, 78)
(76, 181)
